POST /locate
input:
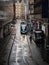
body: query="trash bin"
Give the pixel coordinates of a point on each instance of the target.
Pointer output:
(39, 38)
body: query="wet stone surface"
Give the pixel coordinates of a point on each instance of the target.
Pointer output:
(21, 54)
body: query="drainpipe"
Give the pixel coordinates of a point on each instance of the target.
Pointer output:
(14, 10)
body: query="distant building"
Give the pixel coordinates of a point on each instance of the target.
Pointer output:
(31, 9)
(20, 9)
(31, 1)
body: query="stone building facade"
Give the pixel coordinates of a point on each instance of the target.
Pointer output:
(6, 16)
(20, 9)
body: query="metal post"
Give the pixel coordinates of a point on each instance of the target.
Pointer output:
(2, 32)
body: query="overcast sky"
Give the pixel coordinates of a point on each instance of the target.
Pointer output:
(13, 0)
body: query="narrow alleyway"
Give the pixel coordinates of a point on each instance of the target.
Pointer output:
(24, 32)
(19, 50)
(21, 54)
